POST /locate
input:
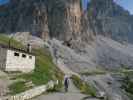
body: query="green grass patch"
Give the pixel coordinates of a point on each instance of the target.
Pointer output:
(127, 84)
(95, 72)
(17, 87)
(126, 71)
(4, 39)
(83, 86)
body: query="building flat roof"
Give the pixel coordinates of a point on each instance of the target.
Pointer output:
(15, 49)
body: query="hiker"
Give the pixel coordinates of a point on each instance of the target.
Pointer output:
(66, 83)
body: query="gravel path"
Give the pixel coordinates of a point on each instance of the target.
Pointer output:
(61, 96)
(72, 94)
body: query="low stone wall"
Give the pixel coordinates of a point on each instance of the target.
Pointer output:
(34, 92)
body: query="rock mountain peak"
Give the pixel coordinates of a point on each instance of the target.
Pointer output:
(64, 19)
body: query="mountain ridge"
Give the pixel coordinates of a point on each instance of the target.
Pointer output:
(66, 20)
(111, 20)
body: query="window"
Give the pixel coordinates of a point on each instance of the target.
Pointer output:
(16, 54)
(23, 55)
(30, 57)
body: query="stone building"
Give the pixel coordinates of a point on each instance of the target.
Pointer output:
(13, 59)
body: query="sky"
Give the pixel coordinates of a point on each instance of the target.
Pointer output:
(85, 2)
(3, 1)
(127, 4)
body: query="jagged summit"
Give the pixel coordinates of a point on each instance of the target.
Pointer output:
(111, 19)
(104, 8)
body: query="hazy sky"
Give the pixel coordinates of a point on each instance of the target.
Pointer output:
(127, 4)
(3, 1)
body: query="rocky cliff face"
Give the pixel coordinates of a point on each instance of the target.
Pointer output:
(61, 19)
(64, 18)
(111, 20)
(23, 16)
(67, 22)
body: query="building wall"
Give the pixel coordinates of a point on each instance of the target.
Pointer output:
(17, 62)
(3, 53)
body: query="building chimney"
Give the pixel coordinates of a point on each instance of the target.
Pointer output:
(28, 47)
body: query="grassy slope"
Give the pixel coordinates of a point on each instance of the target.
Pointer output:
(127, 83)
(45, 69)
(5, 40)
(83, 86)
